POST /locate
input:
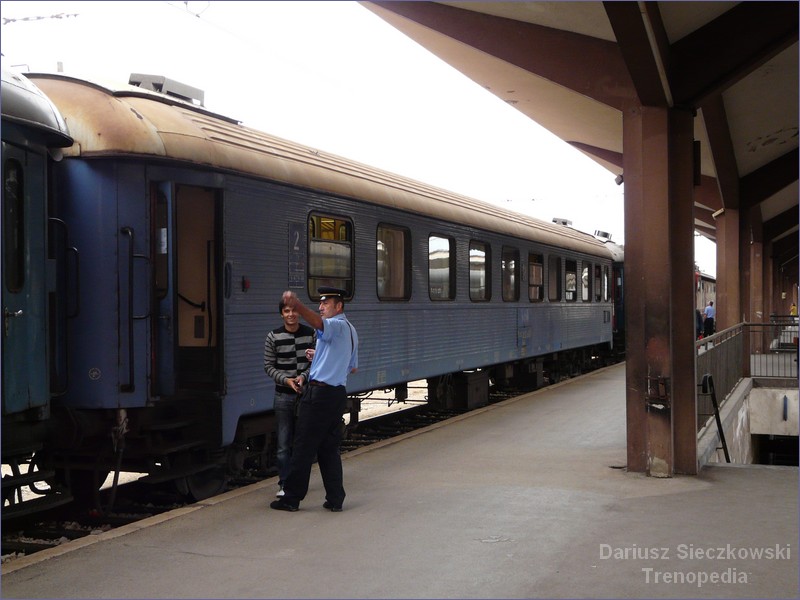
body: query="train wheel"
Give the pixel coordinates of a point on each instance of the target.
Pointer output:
(204, 484)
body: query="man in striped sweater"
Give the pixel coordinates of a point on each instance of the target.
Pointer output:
(286, 362)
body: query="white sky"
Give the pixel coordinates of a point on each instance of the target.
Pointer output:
(334, 76)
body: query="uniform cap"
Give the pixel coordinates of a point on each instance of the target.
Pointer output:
(331, 292)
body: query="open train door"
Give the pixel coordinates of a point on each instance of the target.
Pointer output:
(187, 296)
(186, 329)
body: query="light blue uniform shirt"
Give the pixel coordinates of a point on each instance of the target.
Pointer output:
(337, 351)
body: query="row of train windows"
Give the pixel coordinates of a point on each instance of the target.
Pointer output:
(330, 263)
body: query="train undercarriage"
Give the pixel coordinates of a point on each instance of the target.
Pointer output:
(171, 445)
(469, 389)
(165, 444)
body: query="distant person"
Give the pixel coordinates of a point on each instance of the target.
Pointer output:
(318, 432)
(708, 324)
(286, 361)
(698, 324)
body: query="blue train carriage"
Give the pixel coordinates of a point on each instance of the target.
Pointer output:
(31, 128)
(189, 227)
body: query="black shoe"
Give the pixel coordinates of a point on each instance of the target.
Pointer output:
(281, 505)
(331, 507)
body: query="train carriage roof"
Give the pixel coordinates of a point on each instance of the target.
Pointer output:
(127, 120)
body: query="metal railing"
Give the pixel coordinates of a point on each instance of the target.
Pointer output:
(783, 335)
(772, 348)
(719, 355)
(757, 350)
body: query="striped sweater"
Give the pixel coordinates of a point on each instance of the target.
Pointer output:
(285, 355)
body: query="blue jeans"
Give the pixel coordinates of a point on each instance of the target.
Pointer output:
(284, 415)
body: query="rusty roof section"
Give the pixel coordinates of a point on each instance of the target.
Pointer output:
(128, 121)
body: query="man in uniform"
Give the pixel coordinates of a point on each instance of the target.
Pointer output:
(318, 432)
(708, 324)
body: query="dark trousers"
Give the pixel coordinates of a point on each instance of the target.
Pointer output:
(708, 327)
(317, 435)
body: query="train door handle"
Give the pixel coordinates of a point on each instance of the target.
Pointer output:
(8, 315)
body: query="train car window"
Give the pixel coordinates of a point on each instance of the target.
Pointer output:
(605, 284)
(598, 283)
(509, 268)
(441, 268)
(535, 278)
(480, 271)
(330, 253)
(586, 282)
(554, 278)
(571, 280)
(393, 263)
(13, 226)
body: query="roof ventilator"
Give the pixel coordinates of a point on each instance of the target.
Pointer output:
(170, 87)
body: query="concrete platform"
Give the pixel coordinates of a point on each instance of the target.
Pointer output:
(522, 499)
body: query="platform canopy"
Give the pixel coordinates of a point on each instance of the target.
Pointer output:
(573, 67)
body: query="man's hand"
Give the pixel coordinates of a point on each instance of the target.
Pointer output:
(296, 383)
(290, 299)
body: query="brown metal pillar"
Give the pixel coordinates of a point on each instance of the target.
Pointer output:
(636, 365)
(682, 315)
(728, 303)
(659, 264)
(784, 267)
(752, 268)
(769, 279)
